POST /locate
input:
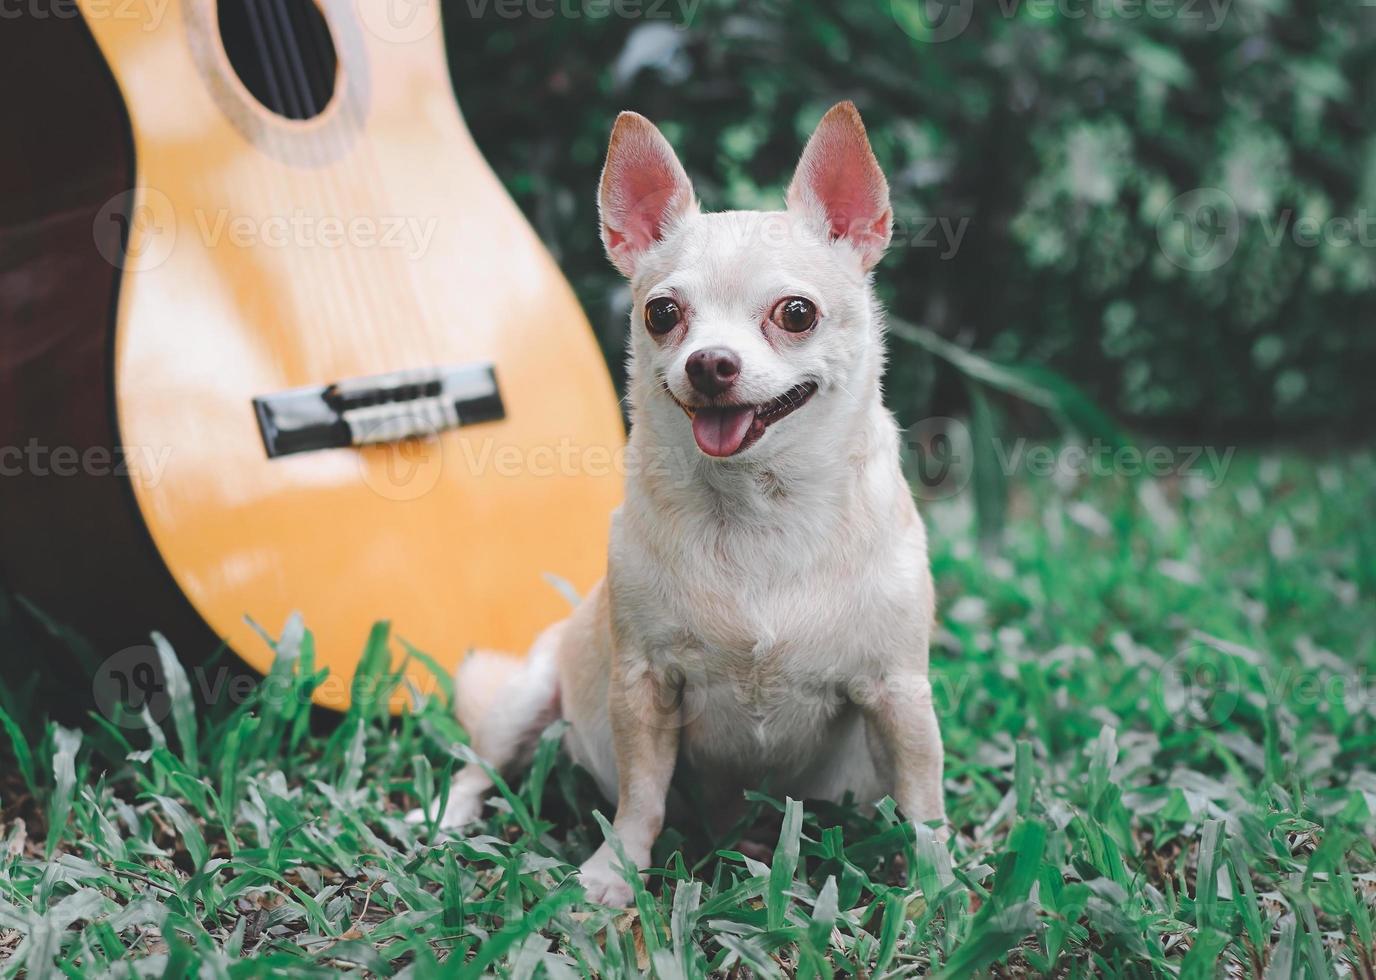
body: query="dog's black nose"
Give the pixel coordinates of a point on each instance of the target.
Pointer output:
(713, 369)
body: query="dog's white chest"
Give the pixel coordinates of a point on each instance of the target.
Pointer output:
(765, 674)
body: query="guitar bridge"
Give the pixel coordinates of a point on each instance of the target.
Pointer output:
(379, 409)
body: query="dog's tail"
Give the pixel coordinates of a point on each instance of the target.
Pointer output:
(504, 701)
(478, 684)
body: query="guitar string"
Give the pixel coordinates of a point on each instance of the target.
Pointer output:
(431, 325)
(338, 155)
(338, 160)
(361, 304)
(362, 310)
(316, 340)
(412, 299)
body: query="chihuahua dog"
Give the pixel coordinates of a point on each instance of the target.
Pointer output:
(768, 605)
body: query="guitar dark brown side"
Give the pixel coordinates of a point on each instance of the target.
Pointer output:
(69, 540)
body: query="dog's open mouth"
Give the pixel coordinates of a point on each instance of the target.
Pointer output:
(725, 430)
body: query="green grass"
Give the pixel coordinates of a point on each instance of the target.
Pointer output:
(1157, 701)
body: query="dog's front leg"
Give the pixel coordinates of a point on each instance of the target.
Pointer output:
(900, 710)
(645, 719)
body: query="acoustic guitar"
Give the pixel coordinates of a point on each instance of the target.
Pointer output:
(274, 339)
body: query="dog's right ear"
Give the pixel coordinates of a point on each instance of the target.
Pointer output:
(644, 190)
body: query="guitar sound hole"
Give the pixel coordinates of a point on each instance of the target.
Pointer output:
(282, 52)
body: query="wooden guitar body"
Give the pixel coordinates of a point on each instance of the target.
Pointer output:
(356, 255)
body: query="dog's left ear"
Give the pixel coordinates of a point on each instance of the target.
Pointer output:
(643, 191)
(838, 185)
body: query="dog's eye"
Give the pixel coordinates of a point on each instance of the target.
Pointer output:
(662, 315)
(795, 314)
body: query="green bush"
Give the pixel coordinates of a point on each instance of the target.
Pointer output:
(1037, 158)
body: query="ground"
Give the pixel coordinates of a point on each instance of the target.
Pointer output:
(1157, 700)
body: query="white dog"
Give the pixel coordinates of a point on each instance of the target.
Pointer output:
(768, 605)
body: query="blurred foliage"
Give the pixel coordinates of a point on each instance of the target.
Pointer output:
(1035, 159)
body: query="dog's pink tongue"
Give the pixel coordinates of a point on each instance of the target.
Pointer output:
(720, 431)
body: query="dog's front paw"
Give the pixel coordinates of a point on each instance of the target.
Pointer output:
(461, 810)
(602, 880)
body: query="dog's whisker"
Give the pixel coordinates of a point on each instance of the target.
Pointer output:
(849, 394)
